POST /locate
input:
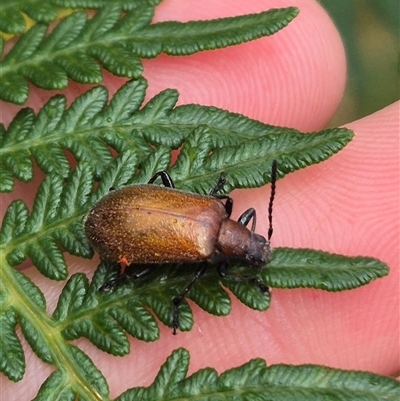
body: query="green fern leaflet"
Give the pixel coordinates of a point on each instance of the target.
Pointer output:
(78, 46)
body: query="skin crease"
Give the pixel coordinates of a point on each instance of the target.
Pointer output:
(346, 205)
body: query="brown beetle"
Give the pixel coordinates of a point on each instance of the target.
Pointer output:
(150, 224)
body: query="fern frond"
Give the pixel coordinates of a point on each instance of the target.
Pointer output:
(103, 318)
(77, 379)
(12, 360)
(104, 327)
(16, 16)
(27, 304)
(35, 235)
(294, 268)
(77, 129)
(90, 127)
(77, 47)
(55, 223)
(13, 14)
(125, 5)
(247, 163)
(255, 381)
(191, 37)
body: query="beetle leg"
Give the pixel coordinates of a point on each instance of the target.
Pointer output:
(139, 274)
(229, 201)
(222, 270)
(228, 204)
(219, 185)
(124, 276)
(165, 177)
(246, 216)
(110, 284)
(178, 299)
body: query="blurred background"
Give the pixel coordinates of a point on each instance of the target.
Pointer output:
(370, 31)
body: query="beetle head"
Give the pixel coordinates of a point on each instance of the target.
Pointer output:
(258, 251)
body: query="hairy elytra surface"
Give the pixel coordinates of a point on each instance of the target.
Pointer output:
(154, 224)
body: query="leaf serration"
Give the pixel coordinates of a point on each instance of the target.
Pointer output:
(78, 46)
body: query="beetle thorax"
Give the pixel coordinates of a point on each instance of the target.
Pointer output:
(236, 241)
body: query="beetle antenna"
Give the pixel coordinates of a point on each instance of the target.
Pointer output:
(274, 170)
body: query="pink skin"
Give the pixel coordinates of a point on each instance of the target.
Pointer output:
(347, 205)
